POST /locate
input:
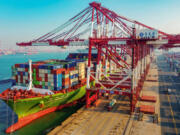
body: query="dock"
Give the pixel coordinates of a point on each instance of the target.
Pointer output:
(99, 121)
(147, 125)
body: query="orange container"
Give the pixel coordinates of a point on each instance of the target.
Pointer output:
(58, 71)
(65, 81)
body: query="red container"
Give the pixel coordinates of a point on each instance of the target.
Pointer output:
(26, 70)
(46, 77)
(37, 71)
(72, 68)
(83, 81)
(65, 81)
(16, 78)
(39, 79)
(65, 72)
(21, 78)
(35, 66)
(16, 65)
(21, 73)
(38, 86)
(148, 98)
(148, 109)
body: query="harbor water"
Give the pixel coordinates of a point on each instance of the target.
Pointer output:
(8, 117)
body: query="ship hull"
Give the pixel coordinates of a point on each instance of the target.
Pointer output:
(27, 106)
(28, 119)
(30, 109)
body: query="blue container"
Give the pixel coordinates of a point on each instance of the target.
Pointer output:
(26, 65)
(76, 75)
(65, 87)
(22, 65)
(13, 82)
(71, 76)
(49, 84)
(58, 80)
(74, 83)
(57, 88)
(18, 72)
(41, 67)
(24, 73)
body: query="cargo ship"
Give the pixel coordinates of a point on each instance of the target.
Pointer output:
(45, 86)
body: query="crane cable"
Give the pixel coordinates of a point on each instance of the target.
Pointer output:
(67, 32)
(70, 21)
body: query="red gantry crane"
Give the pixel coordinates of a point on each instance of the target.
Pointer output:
(127, 46)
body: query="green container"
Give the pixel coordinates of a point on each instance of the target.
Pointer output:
(36, 82)
(43, 83)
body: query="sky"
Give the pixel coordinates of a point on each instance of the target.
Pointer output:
(25, 20)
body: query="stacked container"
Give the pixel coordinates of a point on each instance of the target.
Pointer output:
(54, 74)
(73, 75)
(81, 70)
(82, 56)
(45, 76)
(65, 79)
(81, 65)
(48, 76)
(20, 74)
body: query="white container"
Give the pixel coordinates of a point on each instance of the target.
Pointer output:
(73, 72)
(52, 84)
(43, 79)
(24, 81)
(50, 76)
(46, 71)
(51, 80)
(65, 76)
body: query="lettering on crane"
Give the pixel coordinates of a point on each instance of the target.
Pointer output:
(79, 43)
(147, 34)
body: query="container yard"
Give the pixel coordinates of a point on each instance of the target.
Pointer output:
(125, 82)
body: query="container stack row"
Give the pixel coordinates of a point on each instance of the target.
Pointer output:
(44, 75)
(93, 60)
(20, 74)
(73, 77)
(65, 79)
(50, 74)
(81, 66)
(82, 56)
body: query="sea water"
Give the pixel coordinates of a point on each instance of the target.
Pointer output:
(8, 117)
